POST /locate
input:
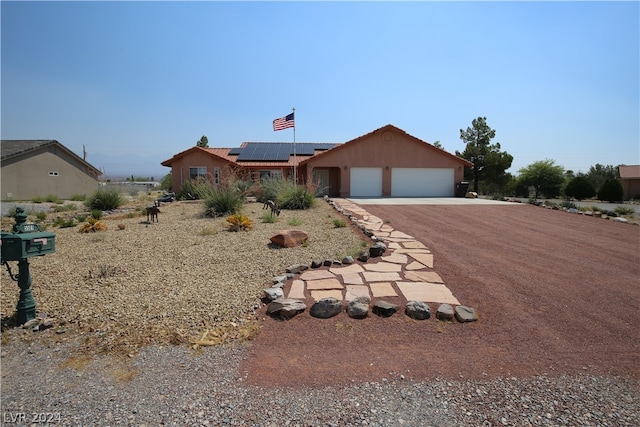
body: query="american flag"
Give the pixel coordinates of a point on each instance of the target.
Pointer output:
(284, 122)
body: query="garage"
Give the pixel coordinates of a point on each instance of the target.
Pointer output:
(366, 182)
(422, 182)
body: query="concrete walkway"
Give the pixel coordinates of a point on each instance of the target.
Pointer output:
(406, 268)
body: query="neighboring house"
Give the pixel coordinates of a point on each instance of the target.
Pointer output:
(39, 168)
(630, 178)
(386, 162)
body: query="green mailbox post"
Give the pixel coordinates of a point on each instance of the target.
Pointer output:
(27, 240)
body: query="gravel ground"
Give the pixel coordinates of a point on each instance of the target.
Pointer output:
(175, 386)
(52, 375)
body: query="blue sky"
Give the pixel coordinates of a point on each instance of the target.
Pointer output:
(136, 82)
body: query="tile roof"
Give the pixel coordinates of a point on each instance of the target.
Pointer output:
(629, 172)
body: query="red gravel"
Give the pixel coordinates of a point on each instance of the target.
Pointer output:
(556, 293)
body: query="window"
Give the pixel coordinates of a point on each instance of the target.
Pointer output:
(273, 173)
(196, 172)
(216, 175)
(53, 173)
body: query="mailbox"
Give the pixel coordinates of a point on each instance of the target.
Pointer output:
(25, 245)
(27, 240)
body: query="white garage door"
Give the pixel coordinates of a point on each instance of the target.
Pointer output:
(422, 182)
(366, 182)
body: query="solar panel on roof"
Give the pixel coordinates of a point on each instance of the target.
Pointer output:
(235, 151)
(276, 151)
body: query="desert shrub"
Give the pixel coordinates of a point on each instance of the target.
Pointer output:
(52, 198)
(92, 225)
(199, 188)
(96, 214)
(268, 217)
(292, 196)
(243, 187)
(37, 199)
(580, 188)
(65, 208)
(79, 197)
(624, 210)
(104, 200)
(41, 216)
(64, 222)
(339, 223)
(268, 189)
(294, 221)
(222, 201)
(611, 191)
(568, 204)
(239, 222)
(81, 217)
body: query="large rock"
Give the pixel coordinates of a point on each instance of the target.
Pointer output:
(465, 314)
(297, 268)
(418, 310)
(286, 308)
(326, 308)
(364, 256)
(444, 312)
(358, 308)
(289, 238)
(377, 249)
(384, 308)
(273, 293)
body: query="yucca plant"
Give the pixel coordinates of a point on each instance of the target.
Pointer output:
(239, 222)
(104, 200)
(223, 201)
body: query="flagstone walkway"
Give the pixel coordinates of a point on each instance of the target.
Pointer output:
(405, 269)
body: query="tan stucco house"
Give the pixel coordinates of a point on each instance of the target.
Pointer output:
(387, 162)
(630, 179)
(39, 168)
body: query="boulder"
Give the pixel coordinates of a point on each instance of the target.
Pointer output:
(286, 308)
(347, 260)
(316, 264)
(358, 308)
(327, 262)
(444, 312)
(465, 314)
(471, 195)
(418, 310)
(289, 238)
(384, 309)
(273, 293)
(326, 308)
(377, 249)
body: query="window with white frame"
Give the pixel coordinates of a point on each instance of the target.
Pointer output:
(272, 173)
(195, 172)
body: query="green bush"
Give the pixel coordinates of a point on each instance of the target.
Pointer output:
(104, 200)
(66, 207)
(611, 191)
(294, 197)
(222, 201)
(63, 222)
(41, 216)
(198, 188)
(339, 223)
(268, 189)
(96, 213)
(624, 210)
(37, 199)
(268, 217)
(79, 197)
(580, 188)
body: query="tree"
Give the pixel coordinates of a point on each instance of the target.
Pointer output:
(489, 163)
(580, 188)
(611, 191)
(203, 142)
(545, 176)
(166, 182)
(598, 174)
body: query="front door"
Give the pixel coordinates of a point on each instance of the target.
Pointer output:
(321, 181)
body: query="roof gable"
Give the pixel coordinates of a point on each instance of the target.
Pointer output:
(12, 148)
(391, 128)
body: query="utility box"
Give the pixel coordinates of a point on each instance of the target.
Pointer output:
(462, 188)
(25, 245)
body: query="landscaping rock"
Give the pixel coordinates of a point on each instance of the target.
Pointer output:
(465, 314)
(297, 268)
(358, 308)
(289, 238)
(326, 308)
(286, 308)
(377, 249)
(363, 257)
(316, 264)
(273, 293)
(327, 262)
(620, 219)
(418, 310)
(347, 260)
(444, 312)
(384, 308)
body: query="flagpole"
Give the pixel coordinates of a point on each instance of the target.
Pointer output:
(295, 161)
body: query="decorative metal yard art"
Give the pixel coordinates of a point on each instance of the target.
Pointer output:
(27, 240)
